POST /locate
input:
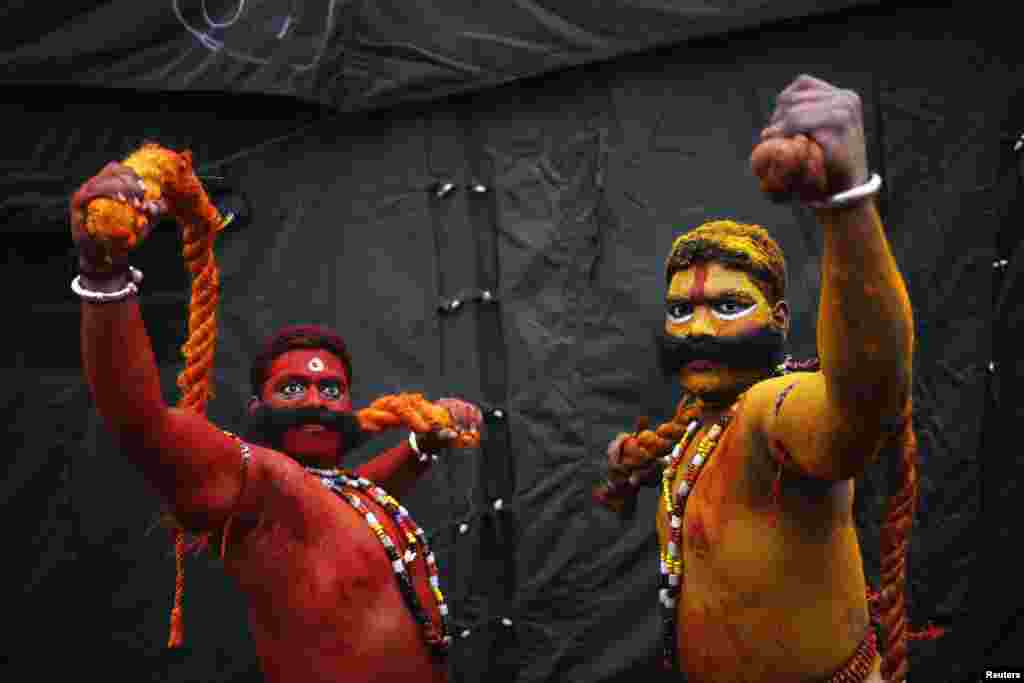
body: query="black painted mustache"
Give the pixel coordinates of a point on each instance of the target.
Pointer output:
(763, 348)
(267, 425)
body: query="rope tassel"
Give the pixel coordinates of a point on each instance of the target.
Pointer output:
(177, 635)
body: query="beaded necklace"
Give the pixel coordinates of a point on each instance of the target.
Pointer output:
(342, 482)
(671, 556)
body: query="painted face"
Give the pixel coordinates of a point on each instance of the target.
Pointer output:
(723, 306)
(309, 378)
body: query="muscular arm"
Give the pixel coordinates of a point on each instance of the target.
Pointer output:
(830, 424)
(192, 464)
(396, 470)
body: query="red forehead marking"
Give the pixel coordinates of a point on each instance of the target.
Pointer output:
(700, 278)
(296, 362)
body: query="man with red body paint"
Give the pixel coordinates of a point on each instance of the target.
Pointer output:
(772, 587)
(323, 600)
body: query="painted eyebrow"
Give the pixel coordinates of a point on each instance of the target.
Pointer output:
(302, 379)
(715, 296)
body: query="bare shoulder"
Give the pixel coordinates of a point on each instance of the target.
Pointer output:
(276, 487)
(281, 471)
(763, 402)
(814, 487)
(752, 417)
(786, 424)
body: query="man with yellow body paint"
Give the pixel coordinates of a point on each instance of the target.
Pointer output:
(763, 579)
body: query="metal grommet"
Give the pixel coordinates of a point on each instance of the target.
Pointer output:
(486, 296)
(1001, 263)
(506, 621)
(498, 413)
(498, 504)
(478, 188)
(463, 528)
(454, 305)
(443, 189)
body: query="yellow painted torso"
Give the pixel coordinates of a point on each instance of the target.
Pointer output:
(770, 592)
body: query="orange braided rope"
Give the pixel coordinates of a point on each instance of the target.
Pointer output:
(889, 603)
(415, 412)
(177, 632)
(895, 538)
(199, 220)
(798, 163)
(169, 175)
(117, 226)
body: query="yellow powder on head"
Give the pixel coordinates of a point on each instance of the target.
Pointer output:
(737, 245)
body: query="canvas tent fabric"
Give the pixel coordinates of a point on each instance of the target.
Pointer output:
(587, 173)
(349, 55)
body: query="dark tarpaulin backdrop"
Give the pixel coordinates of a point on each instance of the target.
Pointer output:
(354, 54)
(587, 174)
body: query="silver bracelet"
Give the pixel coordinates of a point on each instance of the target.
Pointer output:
(851, 196)
(422, 457)
(94, 297)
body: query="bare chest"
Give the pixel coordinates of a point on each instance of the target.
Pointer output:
(324, 600)
(723, 505)
(332, 560)
(704, 500)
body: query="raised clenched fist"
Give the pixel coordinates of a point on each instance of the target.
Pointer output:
(813, 146)
(466, 420)
(466, 416)
(120, 183)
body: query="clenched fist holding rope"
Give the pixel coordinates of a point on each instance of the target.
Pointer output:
(813, 147)
(118, 190)
(636, 460)
(446, 422)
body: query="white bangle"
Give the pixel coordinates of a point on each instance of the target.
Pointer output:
(851, 196)
(94, 297)
(421, 456)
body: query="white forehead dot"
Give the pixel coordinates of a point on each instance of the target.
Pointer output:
(316, 365)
